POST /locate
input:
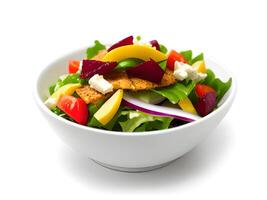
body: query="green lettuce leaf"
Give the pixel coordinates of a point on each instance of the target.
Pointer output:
(66, 79)
(128, 120)
(163, 64)
(57, 111)
(217, 84)
(142, 128)
(176, 92)
(187, 55)
(197, 58)
(163, 49)
(60, 113)
(93, 108)
(93, 122)
(52, 89)
(93, 51)
(147, 96)
(139, 121)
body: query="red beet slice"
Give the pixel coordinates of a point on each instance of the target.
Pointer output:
(155, 43)
(92, 67)
(149, 70)
(124, 42)
(206, 104)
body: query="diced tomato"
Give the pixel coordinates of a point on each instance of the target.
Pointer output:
(174, 56)
(74, 107)
(202, 90)
(74, 66)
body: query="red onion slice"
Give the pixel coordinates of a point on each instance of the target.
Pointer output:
(158, 110)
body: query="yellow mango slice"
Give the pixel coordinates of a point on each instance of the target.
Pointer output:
(200, 66)
(142, 52)
(107, 111)
(67, 89)
(187, 106)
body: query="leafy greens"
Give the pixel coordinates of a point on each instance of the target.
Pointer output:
(138, 121)
(94, 50)
(176, 92)
(70, 78)
(217, 84)
(188, 55)
(93, 122)
(163, 49)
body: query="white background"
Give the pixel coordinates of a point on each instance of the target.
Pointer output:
(230, 163)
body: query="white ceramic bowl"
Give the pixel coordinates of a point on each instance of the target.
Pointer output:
(128, 151)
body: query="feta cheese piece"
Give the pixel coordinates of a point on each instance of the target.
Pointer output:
(201, 76)
(180, 75)
(101, 85)
(180, 71)
(183, 71)
(192, 73)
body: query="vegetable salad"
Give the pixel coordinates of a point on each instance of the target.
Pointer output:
(135, 86)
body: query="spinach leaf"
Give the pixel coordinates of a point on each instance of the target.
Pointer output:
(217, 84)
(197, 58)
(163, 64)
(52, 89)
(93, 122)
(66, 79)
(94, 50)
(163, 49)
(187, 55)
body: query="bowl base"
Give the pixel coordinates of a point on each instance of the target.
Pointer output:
(133, 170)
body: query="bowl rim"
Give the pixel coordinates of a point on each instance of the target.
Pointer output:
(41, 105)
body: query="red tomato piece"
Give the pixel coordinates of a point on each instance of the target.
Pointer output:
(202, 90)
(174, 56)
(74, 107)
(74, 66)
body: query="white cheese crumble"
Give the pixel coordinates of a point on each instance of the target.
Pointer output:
(183, 71)
(100, 84)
